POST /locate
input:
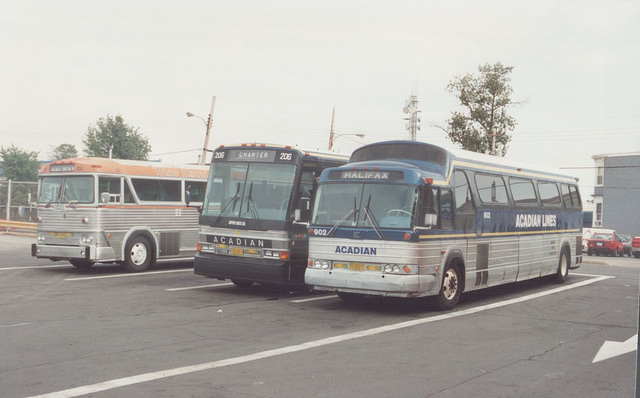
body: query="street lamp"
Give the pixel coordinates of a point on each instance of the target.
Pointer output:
(189, 114)
(208, 124)
(335, 137)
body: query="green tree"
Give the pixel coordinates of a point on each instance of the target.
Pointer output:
(113, 134)
(64, 151)
(484, 124)
(18, 164)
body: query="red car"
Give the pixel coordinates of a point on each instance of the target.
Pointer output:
(635, 246)
(605, 243)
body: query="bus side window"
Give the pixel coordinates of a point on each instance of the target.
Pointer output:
(464, 219)
(430, 208)
(446, 221)
(110, 185)
(523, 191)
(196, 189)
(128, 195)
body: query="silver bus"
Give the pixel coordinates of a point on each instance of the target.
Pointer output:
(95, 210)
(410, 219)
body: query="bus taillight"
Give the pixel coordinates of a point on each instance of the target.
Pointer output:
(284, 255)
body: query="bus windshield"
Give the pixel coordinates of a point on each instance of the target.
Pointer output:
(366, 205)
(250, 190)
(67, 189)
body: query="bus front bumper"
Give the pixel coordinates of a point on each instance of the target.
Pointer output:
(248, 269)
(407, 286)
(58, 252)
(62, 252)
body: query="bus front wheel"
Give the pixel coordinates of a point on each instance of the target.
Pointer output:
(351, 298)
(79, 263)
(242, 284)
(138, 255)
(451, 288)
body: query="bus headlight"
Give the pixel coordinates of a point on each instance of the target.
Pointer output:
(399, 269)
(86, 239)
(40, 238)
(319, 264)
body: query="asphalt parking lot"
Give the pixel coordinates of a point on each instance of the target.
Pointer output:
(170, 333)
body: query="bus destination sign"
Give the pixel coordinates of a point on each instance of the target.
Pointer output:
(252, 155)
(381, 175)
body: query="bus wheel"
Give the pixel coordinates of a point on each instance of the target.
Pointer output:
(242, 284)
(137, 256)
(451, 289)
(78, 263)
(351, 298)
(563, 267)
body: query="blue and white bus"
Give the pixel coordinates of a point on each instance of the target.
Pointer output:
(410, 219)
(253, 227)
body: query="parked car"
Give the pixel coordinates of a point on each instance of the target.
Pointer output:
(626, 241)
(607, 243)
(635, 246)
(586, 235)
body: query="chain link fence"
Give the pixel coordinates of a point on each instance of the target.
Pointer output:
(17, 200)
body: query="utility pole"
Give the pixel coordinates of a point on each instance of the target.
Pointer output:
(331, 134)
(411, 108)
(206, 137)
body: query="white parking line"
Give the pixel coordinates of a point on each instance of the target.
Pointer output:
(15, 324)
(37, 267)
(86, 278)
(314, 299)
(176, 289)
(163, 374)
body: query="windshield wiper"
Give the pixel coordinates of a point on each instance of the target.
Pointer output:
(227, 207)
(66, 200)
(374, 223)
(252, 208)
(345, 218)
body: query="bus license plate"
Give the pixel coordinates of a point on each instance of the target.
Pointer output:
(356, 267)
(237, 251)
(61, 235)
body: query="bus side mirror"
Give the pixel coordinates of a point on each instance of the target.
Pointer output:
(105, 197)
(187, 197)
(430, 220)
(303, 212)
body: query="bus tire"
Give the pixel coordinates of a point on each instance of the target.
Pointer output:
(137, 255)
(242, 284)
(82, 264)
(351, 298)
(451, 288)
(563, 267)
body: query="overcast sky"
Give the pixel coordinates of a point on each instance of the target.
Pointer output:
(279, 67)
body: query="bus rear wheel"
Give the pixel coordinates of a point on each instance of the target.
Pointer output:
(451, 288)
(79, 263)
(563, 267)
(137, 255)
